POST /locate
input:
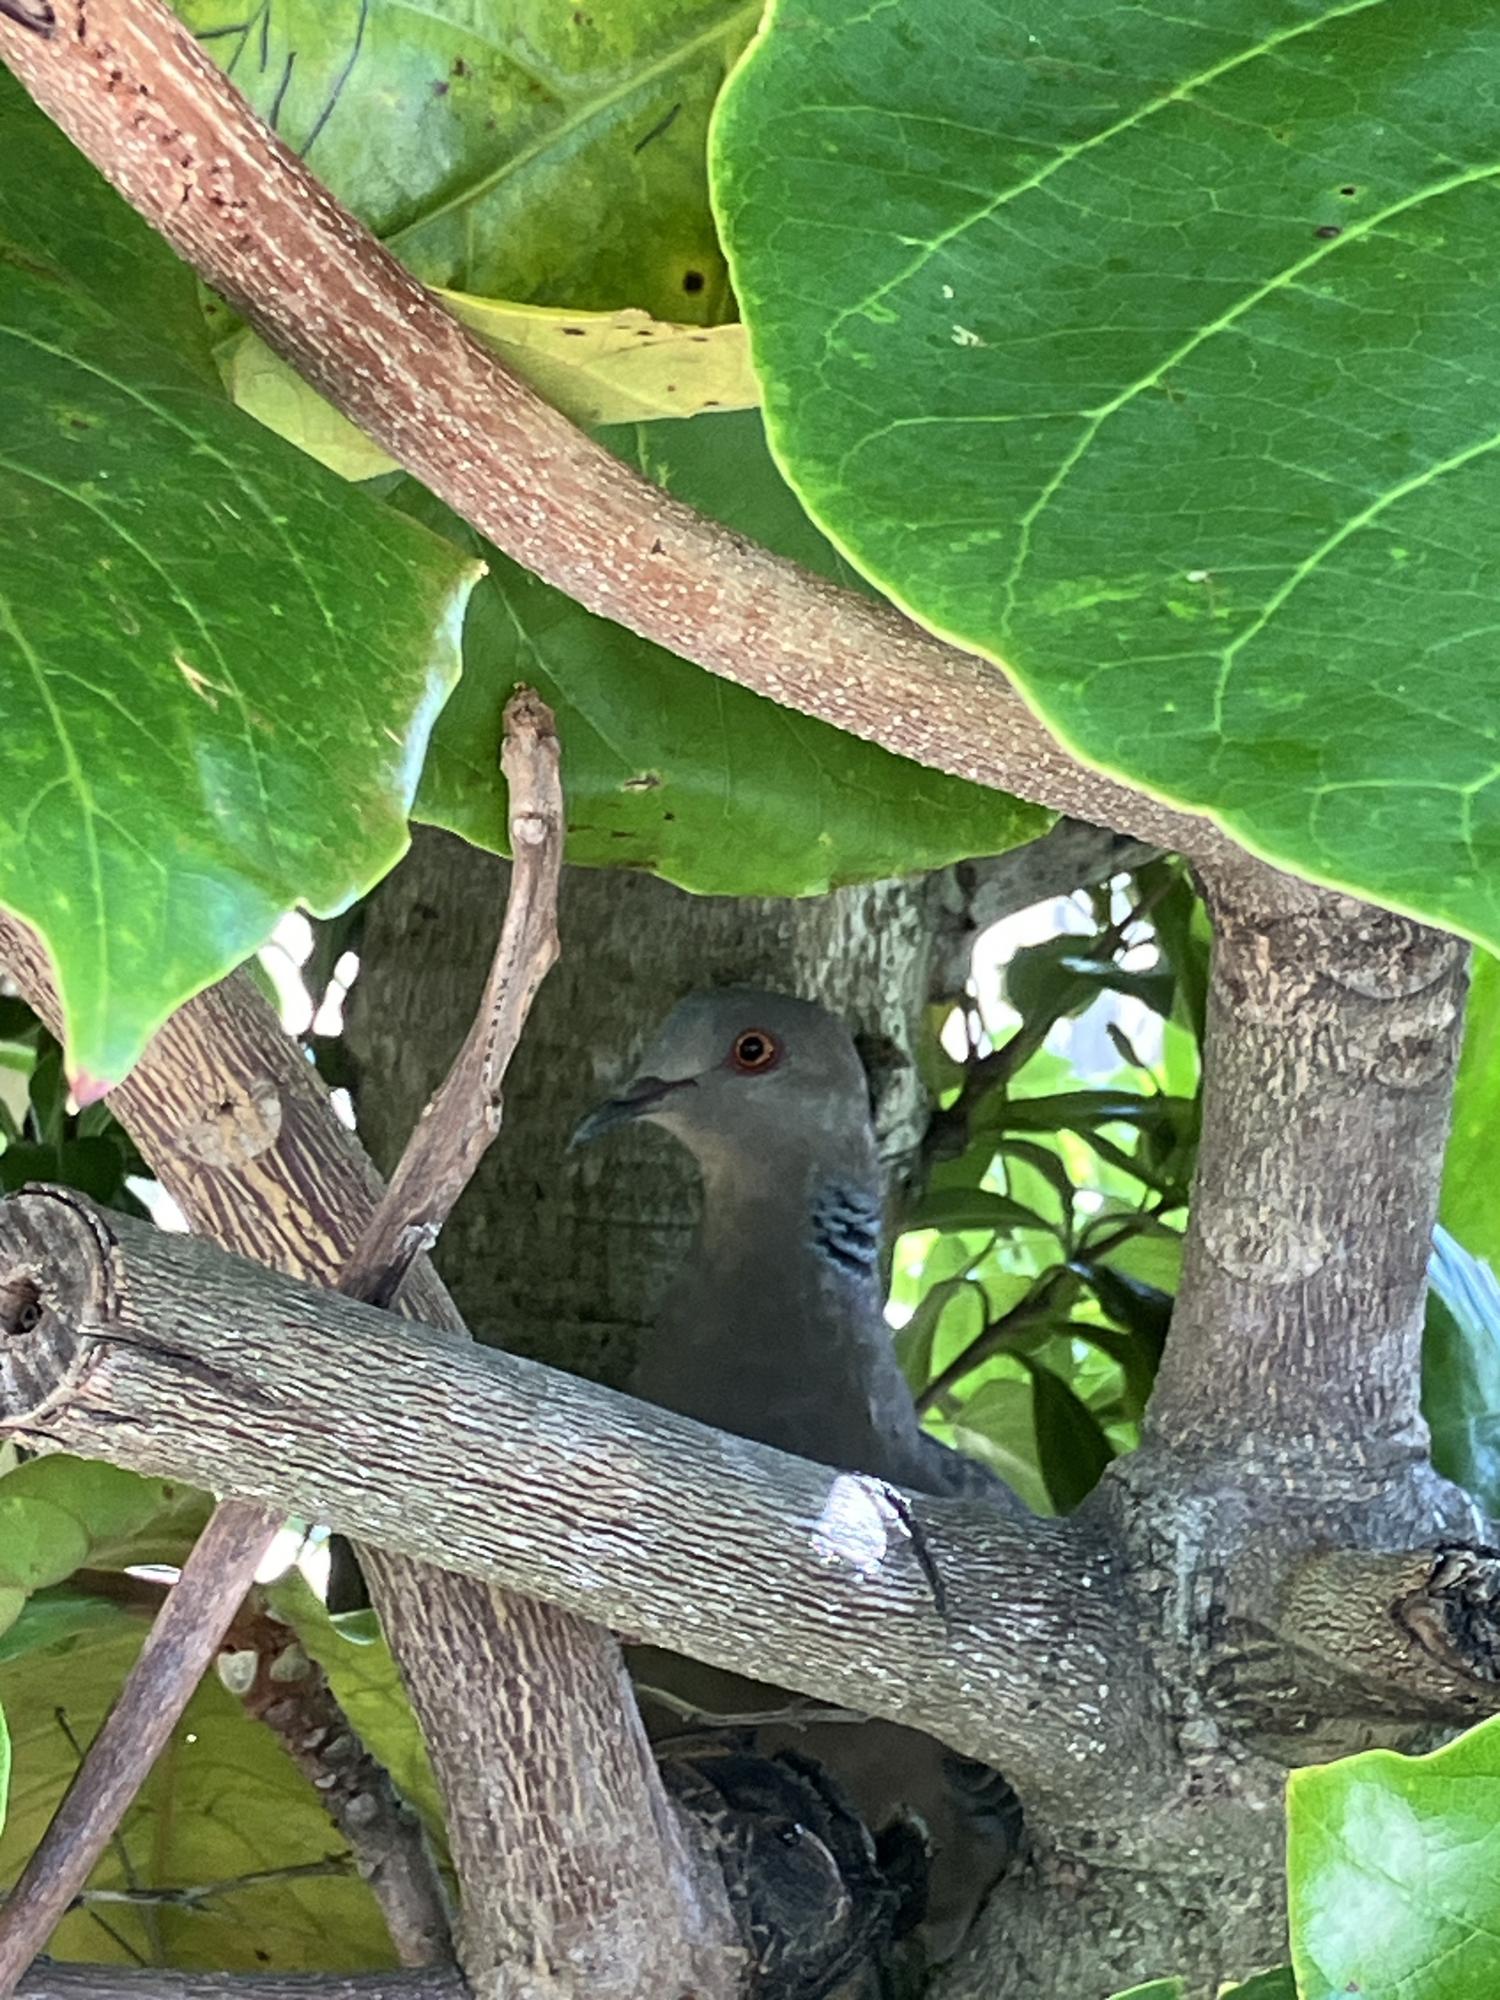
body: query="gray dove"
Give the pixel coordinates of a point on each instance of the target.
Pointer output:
(774, 1328)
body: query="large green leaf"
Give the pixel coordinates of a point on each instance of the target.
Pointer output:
(218, 665)
(537, 151)
(1154, 353)
(222, 1804)
(665, 766)
(1394, 1873)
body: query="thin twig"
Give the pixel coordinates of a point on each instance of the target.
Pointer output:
(440, 1157)
(706, 1721)
(459, 1124)
(199, 1893)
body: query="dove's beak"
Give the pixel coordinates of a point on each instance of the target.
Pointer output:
(639, 1099)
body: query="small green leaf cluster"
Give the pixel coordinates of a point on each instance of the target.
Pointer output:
(1037, 1266)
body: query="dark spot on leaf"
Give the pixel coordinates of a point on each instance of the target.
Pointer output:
(440, 89)
(460, 67)
(578, 330)
(657, 129)
(669, 816)
(671, 388)
(1351, 189)
(656, 547)
(648, 781)
(710, 402)
(692, 281)
(1328, 230)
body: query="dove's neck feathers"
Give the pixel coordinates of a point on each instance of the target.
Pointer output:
(773, 1328)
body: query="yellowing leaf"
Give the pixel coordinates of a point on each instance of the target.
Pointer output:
(596, 367)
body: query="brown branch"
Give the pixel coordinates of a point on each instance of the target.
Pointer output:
(48, 1981)
(686, 1537)
(461, 1122)
(1415, 1633)
(131, 88)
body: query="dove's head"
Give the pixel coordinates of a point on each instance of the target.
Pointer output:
(748, 1078)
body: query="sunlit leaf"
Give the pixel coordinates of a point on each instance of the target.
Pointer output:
(222, 1804)
(1394, 1873)
(597, 368)
(218, 665)
(60, 1514)
(970, 1208)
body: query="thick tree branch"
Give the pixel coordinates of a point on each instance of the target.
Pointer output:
(1332, 1038)
(131, 88)
(1072, 855)
(237, 1125)
(115, 1346)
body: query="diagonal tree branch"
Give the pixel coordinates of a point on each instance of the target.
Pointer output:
(131, 88)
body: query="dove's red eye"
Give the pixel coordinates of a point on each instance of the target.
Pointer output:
(754, 1050)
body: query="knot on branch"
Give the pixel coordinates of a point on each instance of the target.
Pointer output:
(58, 1282)
(1454, 1616)
(238, 1127)
(814, 1900)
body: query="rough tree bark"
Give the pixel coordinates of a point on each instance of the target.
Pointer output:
(1285, 1425)
(1285, 1448)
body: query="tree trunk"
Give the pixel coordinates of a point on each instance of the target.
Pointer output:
(1284, 1424)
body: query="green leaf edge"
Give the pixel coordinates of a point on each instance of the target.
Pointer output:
(1225, 823)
